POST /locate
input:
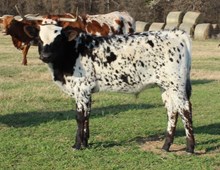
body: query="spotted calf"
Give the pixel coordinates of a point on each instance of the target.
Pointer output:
(82, 64)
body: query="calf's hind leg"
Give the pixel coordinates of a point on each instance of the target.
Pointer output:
(175, 104)
(171, 128)
(186, 115)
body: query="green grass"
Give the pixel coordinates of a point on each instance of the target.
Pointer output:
(37, 121)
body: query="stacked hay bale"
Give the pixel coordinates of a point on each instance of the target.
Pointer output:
(203, 31)
(156, 26)
(174, 19)
(190, 20)
(141, 26)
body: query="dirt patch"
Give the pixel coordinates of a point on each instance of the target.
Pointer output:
(155, 144)
(155, 147)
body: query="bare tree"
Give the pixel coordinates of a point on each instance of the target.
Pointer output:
(145, 10)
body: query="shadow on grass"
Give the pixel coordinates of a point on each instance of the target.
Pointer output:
(211, 129)
(36, 118)
(202, 81)
(106, 144)
(141, 140)
(213, 144)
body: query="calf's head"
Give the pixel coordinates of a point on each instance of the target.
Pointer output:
(55, 43)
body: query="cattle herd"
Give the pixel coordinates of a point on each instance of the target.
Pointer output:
(92, 53)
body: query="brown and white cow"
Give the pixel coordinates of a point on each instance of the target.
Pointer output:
(100, 25)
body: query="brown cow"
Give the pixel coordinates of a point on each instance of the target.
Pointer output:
(16, 29)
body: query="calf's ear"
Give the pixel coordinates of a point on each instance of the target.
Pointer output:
(70, 33)
(31, 31)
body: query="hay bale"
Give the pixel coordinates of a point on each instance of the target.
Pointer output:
(156, 26)
(142, 26)
(171, 26)
(189, 28)
(192, 18)
(174, 17)
(203, 31)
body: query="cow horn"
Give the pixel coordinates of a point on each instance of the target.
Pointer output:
(4, 16)
(31, 15)
(19, 12)
(67, 19)
(18, 18)
(33, 18)
(71, 15)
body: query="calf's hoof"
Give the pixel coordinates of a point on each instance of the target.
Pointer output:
(76, 147)
(190, 146)
(166, 147)
(190, 150)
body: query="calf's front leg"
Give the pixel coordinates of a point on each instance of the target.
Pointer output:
(82, 119)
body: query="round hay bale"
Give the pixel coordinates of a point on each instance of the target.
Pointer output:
(192, 18)
(156, 26)
(171, 26)
(189, 28)
(203, 31)
(174, 17)
(142, 26)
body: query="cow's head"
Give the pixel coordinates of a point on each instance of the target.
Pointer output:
(11, 25)
(6, 22)
(55, 42)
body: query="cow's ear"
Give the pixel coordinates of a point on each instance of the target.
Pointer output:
(70, 33)
(31, 31)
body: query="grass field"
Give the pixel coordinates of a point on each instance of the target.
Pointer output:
(37, 121)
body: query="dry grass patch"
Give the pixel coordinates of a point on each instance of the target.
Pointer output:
(206, 60)
(154, 144)
(205, 75)
(155, 147)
